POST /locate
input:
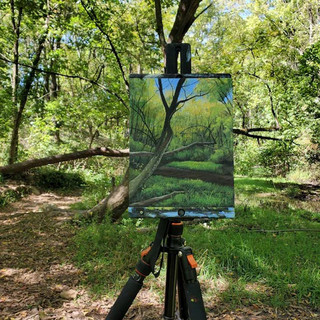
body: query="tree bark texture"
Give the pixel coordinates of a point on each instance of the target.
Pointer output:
(115, 204)
(184, 19)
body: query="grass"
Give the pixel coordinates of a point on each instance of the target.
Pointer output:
(246, 185)
(285, 263)
(198, 165)
(197, 193)
(270, 268)
(107, 253)
(256, 268)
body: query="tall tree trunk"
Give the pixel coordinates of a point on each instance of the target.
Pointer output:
(54, 89)
(13, 153)
(15, 69)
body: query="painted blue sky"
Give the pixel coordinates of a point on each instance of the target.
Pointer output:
(169, 84)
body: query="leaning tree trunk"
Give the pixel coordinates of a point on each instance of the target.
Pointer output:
(153, 163)
(34, 163)
(115, 204)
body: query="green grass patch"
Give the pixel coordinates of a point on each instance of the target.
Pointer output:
(271, 268)
(197, 192)
(108, 253)
(247, 185)
(284, 263)
(198, 165)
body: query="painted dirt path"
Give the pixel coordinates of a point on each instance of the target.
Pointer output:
(195, 174)
(39, 281)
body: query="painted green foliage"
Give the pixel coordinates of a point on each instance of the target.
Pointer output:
(196, 168)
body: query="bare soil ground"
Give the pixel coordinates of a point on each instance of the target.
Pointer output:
(39, 281)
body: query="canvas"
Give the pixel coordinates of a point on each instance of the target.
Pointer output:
(181, 146)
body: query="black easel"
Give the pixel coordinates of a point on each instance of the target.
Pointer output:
(181, 265)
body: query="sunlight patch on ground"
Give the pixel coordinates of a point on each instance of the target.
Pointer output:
(256, 287)
(22, 275)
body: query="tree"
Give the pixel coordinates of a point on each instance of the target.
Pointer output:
(184, 19)
(263, 49)
(77, 57)
(26, 87)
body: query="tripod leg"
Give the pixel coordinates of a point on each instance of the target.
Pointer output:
(125, 299)
(183, 306)
(174, 242)
(191, 287)
(171, 285)
(143, 268)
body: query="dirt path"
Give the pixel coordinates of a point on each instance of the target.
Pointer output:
(38, 280)
(195, 174)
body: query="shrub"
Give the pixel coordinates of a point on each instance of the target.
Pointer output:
(222, 155)
(52, 179)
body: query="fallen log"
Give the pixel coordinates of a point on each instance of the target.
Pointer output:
(34, 163)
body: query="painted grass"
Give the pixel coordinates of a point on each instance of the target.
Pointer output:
(199, 165)
(197, 193)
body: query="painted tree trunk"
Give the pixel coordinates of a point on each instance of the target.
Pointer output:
(153, 163)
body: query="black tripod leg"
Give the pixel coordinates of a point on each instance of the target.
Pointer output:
(171, 285)
(125, 299)
(174, 242)
(194, 301)
(183, 306)
(191, 287)
(143, 268)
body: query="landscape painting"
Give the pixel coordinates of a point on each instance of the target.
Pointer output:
(181, 146)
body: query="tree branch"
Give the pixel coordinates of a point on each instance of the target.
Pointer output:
(159, 23)
(151, 201)
(246, 133)
(94, 82)
(261, 129)
(169, 153)
(203, 11)
(92, 15)
(192, 97)
(163, 99)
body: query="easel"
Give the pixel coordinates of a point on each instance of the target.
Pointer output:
(181, 265)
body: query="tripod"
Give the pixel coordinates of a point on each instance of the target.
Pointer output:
(181, 273)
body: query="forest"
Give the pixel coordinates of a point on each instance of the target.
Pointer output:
(67, 243)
